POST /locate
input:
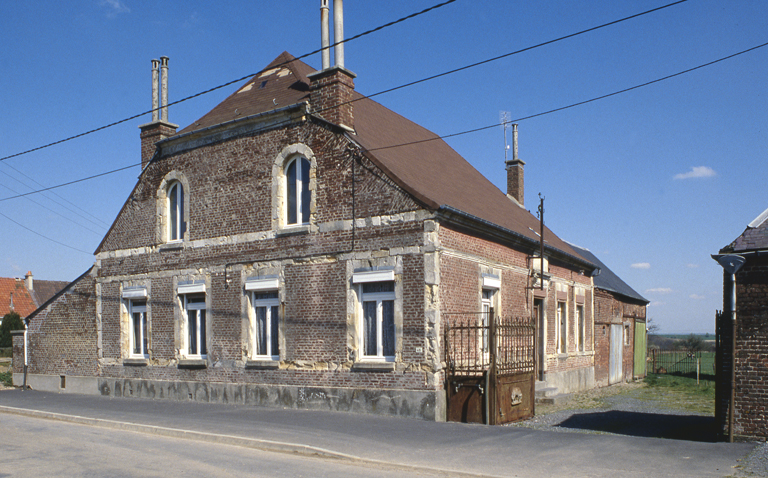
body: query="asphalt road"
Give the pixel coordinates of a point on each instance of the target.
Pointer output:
(34, 447)
(407, 447)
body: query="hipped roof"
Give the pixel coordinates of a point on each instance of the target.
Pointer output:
(414, 157)
(754, 237)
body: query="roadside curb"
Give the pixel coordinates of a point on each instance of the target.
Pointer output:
(233, 440)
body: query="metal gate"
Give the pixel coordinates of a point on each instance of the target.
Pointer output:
(490, 368)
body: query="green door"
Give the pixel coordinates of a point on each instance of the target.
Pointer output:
(640, 349)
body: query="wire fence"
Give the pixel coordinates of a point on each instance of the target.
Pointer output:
(677, 361)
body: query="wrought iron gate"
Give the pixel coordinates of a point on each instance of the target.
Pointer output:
(490, 367)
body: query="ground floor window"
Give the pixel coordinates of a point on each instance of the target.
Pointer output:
(266, 307)
(562, 328)
(137, 311)
(194, 321)
(580, 323)
(378, 304)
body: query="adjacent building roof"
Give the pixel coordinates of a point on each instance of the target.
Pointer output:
(15, 296)
(607, 279)
(754, 237)
(43, 290)
(414, 157)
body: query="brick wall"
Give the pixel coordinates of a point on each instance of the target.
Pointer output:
(612, 309)
(750, 414)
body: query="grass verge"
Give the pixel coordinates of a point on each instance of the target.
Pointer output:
(6, 378)
(680, 392)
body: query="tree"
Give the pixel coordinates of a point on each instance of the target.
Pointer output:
(11, 321)
(692, 343)
(651, 327)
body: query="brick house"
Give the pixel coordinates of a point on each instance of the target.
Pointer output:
(620, 326)
(300, 245)
(742, 385)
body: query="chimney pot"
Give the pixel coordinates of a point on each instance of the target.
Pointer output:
(28, 281)
(325, 34)
(164, 89)
(159, 128)
(338, 32)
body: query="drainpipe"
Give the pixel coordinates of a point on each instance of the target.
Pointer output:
(26, 360)
(731, 264)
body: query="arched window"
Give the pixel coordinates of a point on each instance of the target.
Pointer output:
(298, 195)
(176, 223)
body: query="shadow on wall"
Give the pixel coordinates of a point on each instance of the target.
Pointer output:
(655, 425)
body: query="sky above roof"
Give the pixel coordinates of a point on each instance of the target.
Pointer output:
(652, 181)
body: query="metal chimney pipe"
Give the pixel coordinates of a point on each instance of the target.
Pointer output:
(155, 92)
(338, 32)
(325, 34)
(514, 142)
(164, 89)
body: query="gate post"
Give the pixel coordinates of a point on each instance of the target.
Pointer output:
(492, 379)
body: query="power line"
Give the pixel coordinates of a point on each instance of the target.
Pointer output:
(45, 237)
(469, 131)
(625, 90)
(400, 20)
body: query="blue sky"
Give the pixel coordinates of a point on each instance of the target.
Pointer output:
(652, 181)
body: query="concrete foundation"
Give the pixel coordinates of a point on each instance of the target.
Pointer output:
(425, 405)
(571, 381)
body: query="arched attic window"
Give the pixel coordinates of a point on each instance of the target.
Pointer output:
(298, 194)
(177, 224)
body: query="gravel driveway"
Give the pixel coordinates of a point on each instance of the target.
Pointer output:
(618, 410)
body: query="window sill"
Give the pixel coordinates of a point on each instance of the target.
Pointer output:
(193, 363)
(171, 246)
(293, 230)
(374, 366)
(136, 362)
(264, 364)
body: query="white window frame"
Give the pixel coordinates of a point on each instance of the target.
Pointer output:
(178, 227)
(581, 327)
(138, 306)
(201, 323)
(301, 188)
(271, 306)
(562, 327)
(379, 298)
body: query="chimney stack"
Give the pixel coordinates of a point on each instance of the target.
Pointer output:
(28, 281)
(331, 88)
(159, 128)
(325, 35)
(515, 186)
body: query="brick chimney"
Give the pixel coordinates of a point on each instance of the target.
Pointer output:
(515, 186)
(331, 88)
(159, 128)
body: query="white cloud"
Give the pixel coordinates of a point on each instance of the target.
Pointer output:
(697, 297)
(697, 172)
(692, 266)
(641, 265)
(656, 304)
(115, 7)
(659, 290)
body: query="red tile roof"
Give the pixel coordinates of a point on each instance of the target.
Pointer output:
(23, 303)
(427, 168)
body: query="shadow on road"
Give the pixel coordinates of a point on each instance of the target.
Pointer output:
(676, 427)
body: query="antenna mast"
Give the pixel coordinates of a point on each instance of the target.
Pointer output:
(504, 121)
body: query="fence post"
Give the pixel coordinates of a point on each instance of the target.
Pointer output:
(492, 350)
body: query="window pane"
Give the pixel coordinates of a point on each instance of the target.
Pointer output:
(174, 212)
(261, 330)
(192, 327)
(144, 346)
(369, 323)
(274, 349)
(290, 175)
(137, 329)
(182, 222)
(371, 287)
(272, 294)
(305, 195)
(388, 327)
(203, 348)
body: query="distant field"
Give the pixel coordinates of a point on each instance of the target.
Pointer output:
(705, 337)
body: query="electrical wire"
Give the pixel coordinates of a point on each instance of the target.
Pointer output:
(45, 237)
(360, 35)
(469, 131)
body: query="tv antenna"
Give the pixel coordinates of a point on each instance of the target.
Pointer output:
(505, 123)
